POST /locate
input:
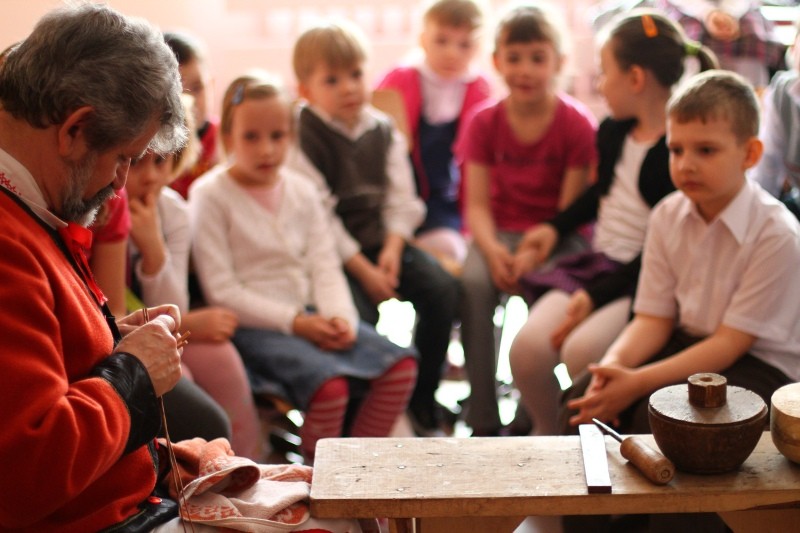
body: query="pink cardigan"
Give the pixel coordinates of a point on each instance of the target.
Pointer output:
(407, 81)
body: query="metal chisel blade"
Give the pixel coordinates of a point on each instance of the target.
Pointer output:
(595, 462)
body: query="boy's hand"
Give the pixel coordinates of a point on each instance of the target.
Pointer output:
(211, 324)
(389, 264)
(390, 258)
(378, 285)
(579, 307)
(613, 388)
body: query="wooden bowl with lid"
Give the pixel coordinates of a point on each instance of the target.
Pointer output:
(785, 421)
(706, 426)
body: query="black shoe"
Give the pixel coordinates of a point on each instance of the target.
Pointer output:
(425, 422)
(447, 416)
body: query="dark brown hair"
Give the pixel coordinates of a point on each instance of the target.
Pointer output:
(529, 23)
(650, 40)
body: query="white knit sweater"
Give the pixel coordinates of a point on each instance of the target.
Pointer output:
(266, 267)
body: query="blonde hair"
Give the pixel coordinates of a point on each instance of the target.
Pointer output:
(336, 45)
(717, 95)
(455, 13)
(256, 85)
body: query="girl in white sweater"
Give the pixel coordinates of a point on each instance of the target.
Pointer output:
(262, 248)
(159, 261)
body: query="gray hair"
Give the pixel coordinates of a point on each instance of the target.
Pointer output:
(91, 55)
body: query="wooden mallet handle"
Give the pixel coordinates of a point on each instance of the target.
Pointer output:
(651, 463)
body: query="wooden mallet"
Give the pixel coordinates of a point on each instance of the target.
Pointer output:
(651, 463)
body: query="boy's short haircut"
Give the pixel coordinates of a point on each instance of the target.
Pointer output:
(717, 94)
(455, 13)
(336, 45)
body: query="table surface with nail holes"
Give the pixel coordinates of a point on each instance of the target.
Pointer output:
(490, 484)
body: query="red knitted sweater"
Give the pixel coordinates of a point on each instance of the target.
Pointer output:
(63, 433)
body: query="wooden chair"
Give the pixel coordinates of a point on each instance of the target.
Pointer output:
(390, 101)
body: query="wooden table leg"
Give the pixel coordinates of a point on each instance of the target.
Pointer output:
(401, 525)
(469, 524)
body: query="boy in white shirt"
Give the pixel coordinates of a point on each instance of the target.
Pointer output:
(718, 287)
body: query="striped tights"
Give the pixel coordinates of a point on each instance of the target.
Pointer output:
(386, 399)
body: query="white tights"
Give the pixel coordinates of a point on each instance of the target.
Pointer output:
(533, 358)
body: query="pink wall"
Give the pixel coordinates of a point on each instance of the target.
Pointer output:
(242, 34)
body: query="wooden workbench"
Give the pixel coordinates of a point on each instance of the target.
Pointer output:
(471, 485)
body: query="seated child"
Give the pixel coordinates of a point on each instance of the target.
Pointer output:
(526, 157)
(736, 31)
(159, 257)
(358, 161)
(719, 255)
(109, 251)
(260, 249)
(582, 304)
(778, 171)
(196, 81)
(439, 91)
(712, 296)
(190, 410)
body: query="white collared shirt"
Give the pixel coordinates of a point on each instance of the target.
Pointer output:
(740, 270)
(442, 99)
(17, 179)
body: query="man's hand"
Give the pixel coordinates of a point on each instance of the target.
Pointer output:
(155, 346)
(132, 321)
